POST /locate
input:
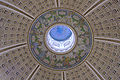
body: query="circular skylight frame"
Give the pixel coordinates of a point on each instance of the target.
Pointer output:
(69, 48)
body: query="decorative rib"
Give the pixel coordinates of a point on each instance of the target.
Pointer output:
(108, 39)
(64, 75)
(4, 3)
(32, 73)
(93, 6)
(11, 47)
(92, 71)
(95, 71)
(57, 3)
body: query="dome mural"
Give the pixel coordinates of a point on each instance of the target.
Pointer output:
(56, 48)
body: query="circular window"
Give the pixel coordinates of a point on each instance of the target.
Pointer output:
(60, 39)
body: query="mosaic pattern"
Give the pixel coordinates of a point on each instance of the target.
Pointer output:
(66, 61)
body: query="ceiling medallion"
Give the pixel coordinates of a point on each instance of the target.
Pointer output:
(60, 39)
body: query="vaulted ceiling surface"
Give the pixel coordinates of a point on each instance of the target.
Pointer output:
(17, 62)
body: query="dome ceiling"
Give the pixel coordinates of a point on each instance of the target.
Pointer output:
(59, 40)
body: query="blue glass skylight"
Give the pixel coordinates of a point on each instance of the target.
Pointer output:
(60, 32)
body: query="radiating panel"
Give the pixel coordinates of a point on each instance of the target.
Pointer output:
(33, 7)
(106, 59)
(79, 5)
(105, 20)
(81, 72)
(47, 74)
(13, 27)
(16, 64)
